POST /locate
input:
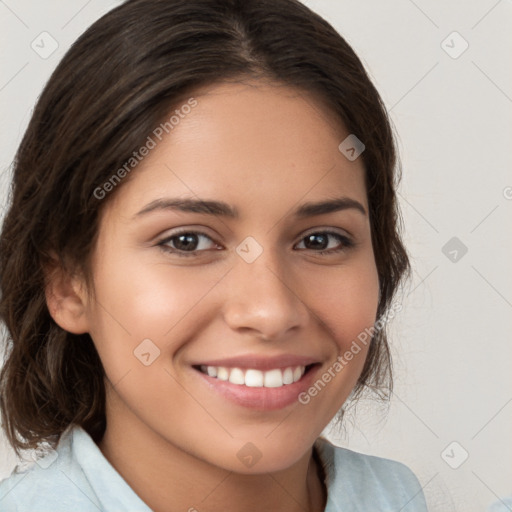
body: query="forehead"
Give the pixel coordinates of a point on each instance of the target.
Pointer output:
(252, 144)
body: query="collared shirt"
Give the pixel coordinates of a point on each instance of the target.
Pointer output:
(76, 477)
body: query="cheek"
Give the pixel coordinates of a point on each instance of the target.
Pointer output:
(345, 300)
(144, 314)
(139, 300)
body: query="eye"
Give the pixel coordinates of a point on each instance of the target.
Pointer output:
(187, 243)
(326, 242)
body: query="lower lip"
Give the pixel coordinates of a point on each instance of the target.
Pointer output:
(263, 399)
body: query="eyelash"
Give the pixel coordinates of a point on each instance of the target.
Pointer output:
(346, 243)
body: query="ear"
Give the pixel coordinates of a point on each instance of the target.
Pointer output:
(66, 299)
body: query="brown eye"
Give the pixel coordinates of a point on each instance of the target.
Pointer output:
(326, 242)
(187, 243)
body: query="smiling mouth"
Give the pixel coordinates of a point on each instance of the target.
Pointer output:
(253, 378)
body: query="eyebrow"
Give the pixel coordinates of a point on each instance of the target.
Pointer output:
(219, 208)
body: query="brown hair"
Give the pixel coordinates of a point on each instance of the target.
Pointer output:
(111, 89)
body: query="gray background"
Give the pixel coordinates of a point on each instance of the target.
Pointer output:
(453, 113)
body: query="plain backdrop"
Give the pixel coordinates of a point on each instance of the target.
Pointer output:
(443, 70)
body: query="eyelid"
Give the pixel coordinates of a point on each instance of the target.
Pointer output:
(194, 229)
(326, 229)
(182, 231)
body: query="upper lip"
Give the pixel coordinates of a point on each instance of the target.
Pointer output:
(260, 363)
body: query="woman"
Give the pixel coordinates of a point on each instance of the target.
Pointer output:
(197, 264)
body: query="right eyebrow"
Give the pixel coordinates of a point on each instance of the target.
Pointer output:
(217, 208)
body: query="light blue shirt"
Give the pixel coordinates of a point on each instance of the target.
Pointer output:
(81, 479)
(504, 505)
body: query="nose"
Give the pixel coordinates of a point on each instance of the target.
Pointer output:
(261, 299)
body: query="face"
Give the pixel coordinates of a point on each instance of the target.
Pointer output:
(222, 295)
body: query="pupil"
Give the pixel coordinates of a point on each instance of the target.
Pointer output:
(323, 241)
(186, 242)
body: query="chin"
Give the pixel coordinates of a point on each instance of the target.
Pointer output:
(263, 455)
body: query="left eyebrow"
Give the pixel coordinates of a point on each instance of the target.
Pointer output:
(219, 208)
(333, 205)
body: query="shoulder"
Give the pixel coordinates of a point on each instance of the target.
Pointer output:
(54, 482)
(357, 480)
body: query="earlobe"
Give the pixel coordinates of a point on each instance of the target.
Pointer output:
(66, 301)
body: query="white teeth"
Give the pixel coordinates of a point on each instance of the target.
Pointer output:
(256, 378)
(288, 376)
(222, 373)
(273, 379)
(236, 376)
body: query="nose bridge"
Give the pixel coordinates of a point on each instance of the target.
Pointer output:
(261, 296)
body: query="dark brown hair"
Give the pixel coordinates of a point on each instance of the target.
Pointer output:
(111, 89)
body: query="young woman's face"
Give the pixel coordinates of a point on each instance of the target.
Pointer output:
(255, 285)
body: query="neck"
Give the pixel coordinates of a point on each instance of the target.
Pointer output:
(164, 475)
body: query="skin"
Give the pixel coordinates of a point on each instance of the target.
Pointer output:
(264, 149)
